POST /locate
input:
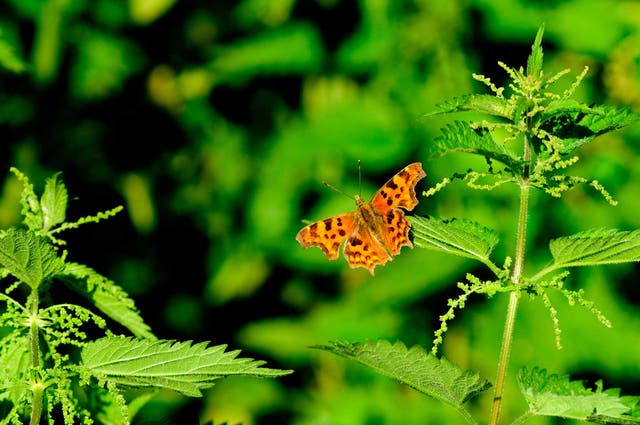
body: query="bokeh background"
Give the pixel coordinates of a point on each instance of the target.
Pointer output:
(214, 123)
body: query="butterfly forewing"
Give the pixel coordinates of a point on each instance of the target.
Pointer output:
(328, 234)
(399, 191)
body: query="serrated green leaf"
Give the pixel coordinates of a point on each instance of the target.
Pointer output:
(534, 61)
(460, 137)
(463, 238)
(553, 395)
(578, 124)
(565, 106)
(53, 202)
(415, 367)
(181, 366)
(483, 103)
(14, 363)
(110, 298)
(29, 257)
(30, 206)
(596, 247)
(607, 118)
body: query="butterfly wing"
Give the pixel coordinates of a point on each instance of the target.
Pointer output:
(375, 232)
(363, 250)
(328, 234)
(396, 231)
(399, 191)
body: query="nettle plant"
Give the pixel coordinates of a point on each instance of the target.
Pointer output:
(549, 127)
(62, 361)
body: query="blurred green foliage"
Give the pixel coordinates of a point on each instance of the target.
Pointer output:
(214, 123)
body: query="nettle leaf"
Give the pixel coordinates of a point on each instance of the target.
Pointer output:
(564, 107)
(460, 137)
(595, 247)
(53, 202)
(415, 367)
(110, 298)
(484, 103)
(181, 366)
(534, 61)
(608, 118)
(553, 395)
(464, 238)
(14, 365)
(30, 206)
(29, 257)
(578, 124)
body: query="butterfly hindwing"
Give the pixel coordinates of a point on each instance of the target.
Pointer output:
(362, 249)
(396, 231)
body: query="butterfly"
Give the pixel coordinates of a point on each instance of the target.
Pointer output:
(375, 231)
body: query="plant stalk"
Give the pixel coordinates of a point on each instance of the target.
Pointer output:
(37, 386)
(33, 334)
(509, 324)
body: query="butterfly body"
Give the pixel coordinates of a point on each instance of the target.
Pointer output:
(376, 230)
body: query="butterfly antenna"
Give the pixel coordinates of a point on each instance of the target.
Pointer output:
(330, 186)
(359, 179)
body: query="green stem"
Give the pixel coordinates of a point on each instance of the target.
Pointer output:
(507, 334)
(34, 331)
(37, 386)
(36, 409)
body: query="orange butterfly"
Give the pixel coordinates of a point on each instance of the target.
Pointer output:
(376, 231)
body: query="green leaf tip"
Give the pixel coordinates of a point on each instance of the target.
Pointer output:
(415, 367)
(553, 395)
(185, 367)
(47, 216)
(53, 203)
(534, 62)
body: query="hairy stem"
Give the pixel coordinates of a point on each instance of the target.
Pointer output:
(33, 334)
(37, 387)
(509, 324)
(36, 409)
